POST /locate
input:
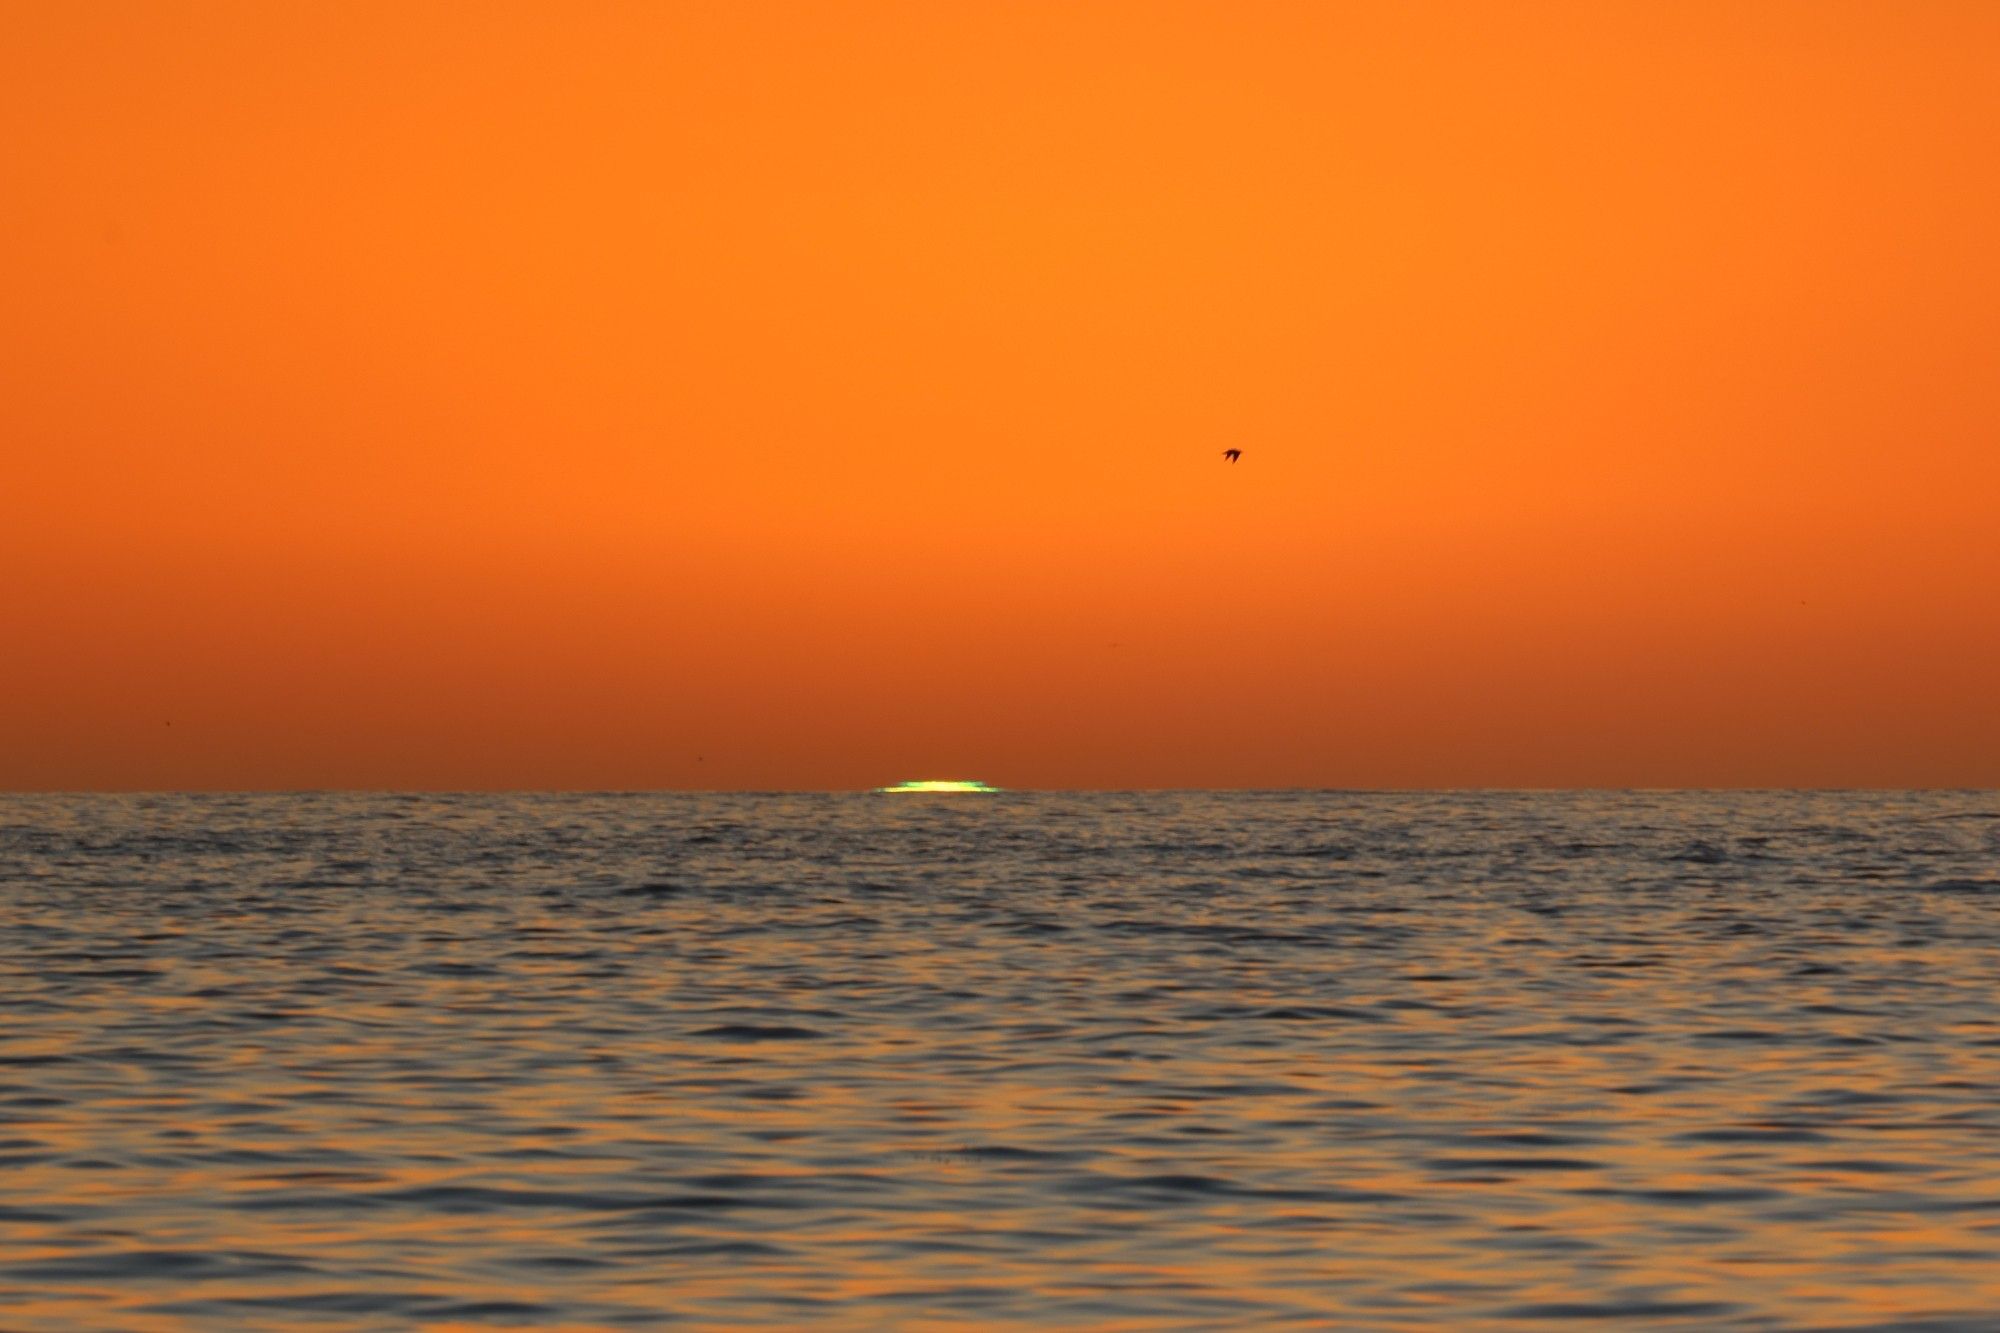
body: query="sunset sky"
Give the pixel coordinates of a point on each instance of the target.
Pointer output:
(759, 395)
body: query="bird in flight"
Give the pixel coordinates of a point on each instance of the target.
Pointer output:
(1232, 454)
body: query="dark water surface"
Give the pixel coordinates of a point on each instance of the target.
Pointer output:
(1114, 1061)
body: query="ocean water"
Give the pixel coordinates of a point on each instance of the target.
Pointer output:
(1203, 1061)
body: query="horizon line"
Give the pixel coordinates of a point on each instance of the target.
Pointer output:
(1441, 789)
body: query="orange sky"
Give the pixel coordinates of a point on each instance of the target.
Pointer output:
(768, 395)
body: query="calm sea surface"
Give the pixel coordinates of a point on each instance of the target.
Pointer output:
(1716, 1061)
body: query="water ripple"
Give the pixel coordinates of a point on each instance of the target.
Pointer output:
(1399, 1062)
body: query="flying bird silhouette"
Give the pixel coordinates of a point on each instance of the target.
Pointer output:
(1232, 454)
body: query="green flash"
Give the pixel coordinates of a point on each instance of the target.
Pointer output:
(935, 785)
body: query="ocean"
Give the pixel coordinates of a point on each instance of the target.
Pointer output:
(1108, 1061)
